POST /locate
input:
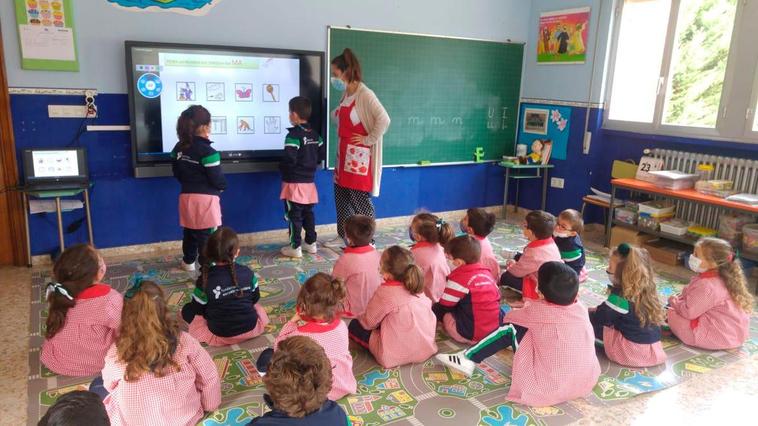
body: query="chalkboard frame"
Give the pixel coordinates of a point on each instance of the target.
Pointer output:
(329, 162)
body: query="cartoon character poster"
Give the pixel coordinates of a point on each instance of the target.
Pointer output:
(562, 37)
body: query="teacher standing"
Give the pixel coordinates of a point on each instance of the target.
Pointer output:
(362, 122)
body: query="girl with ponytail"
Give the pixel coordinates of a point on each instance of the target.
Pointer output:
(398, 326)
(83, 315)
(197, 167)
(318, 317)
(362, 122)
(224, 309)
(155, 373)
(628, 323)
(430, 234)
(713, 311)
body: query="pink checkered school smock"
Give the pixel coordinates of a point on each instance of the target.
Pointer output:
(431, 259)
(333, 337)
(199, 211)
(179, 398)
(359, 268)
(705, 316)
(403, 326)
(625, 352)
(79, 348)
(487, 257)
(555, 361)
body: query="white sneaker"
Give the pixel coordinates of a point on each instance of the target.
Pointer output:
(290, 252)
(337, 242)
(189, 267)
(310, 248)
(458, 362)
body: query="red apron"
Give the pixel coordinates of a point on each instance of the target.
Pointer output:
(353, 160)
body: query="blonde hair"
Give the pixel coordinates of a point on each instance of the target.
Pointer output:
(636, 282)
(149, 334)
(720, 253)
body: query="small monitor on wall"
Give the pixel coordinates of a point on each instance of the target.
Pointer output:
(245, 89)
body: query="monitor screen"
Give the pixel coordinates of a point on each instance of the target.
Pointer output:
(63, 163)
(246, 91)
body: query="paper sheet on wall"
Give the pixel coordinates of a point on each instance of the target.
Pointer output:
(48, 206)
(38, 42)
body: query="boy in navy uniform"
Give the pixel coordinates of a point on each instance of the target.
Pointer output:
(302, 154)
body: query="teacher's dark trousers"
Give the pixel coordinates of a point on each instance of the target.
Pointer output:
(351, 202)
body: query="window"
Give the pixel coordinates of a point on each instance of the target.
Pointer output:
(679, 67)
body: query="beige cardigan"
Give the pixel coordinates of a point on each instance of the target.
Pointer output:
(375, 119)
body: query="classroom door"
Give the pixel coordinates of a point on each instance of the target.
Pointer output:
(12, 230)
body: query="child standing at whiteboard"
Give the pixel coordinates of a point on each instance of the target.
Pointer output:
(197, 166)
(302, 149)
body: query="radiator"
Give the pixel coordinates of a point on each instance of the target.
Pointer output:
(744, 174)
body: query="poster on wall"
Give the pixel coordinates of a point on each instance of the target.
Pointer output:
(547, 124)
(46, 35)
(562, 37)
(185, 7)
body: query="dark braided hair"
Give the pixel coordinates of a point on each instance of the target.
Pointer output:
(222, 247)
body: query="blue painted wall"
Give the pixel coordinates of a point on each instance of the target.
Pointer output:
(134, 211)
(128, 211)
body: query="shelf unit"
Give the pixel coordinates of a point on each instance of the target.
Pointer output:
(686, 195)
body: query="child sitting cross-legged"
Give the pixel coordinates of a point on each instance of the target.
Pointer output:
(569, 225)
(297, 383)
(317, 317)
(429, 234)
(470, 305)
(224, 309)
(713, 311)
(398, 326)
(521, 272)
(480, 223)
(358, 267)
(628, 322)
(554, 359)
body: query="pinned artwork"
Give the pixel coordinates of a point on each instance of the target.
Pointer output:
(185, 7)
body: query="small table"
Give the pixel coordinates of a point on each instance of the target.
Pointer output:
(540, 172)
(57, 194)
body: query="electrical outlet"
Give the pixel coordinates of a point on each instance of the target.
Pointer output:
(556, 182)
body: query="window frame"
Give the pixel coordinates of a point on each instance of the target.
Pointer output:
(734, 105)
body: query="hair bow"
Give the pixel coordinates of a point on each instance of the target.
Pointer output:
(135, 287)
(624, 249)
(439, 223)
(57, 288)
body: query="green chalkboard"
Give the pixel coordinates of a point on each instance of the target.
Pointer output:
(445, 96)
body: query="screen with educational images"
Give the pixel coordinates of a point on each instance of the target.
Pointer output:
(55, 163)
(236, 90)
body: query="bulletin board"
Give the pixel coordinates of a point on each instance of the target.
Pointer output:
(46, 35)
(539, 121)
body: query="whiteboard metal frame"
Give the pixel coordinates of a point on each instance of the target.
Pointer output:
(328, 74)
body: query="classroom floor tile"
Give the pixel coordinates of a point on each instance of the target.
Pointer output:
(425, 393)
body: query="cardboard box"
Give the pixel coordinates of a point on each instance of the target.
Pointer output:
(630, 236)
(668, 252)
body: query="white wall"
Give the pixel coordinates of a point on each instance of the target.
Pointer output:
(296, 24)
(568, 82)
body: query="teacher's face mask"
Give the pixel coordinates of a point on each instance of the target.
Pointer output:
(339, 84)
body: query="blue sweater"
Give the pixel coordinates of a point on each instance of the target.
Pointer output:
(227, 308)
(618, 313)
(572, 251)
(198, 168)
(330, 414)
(302, 153)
